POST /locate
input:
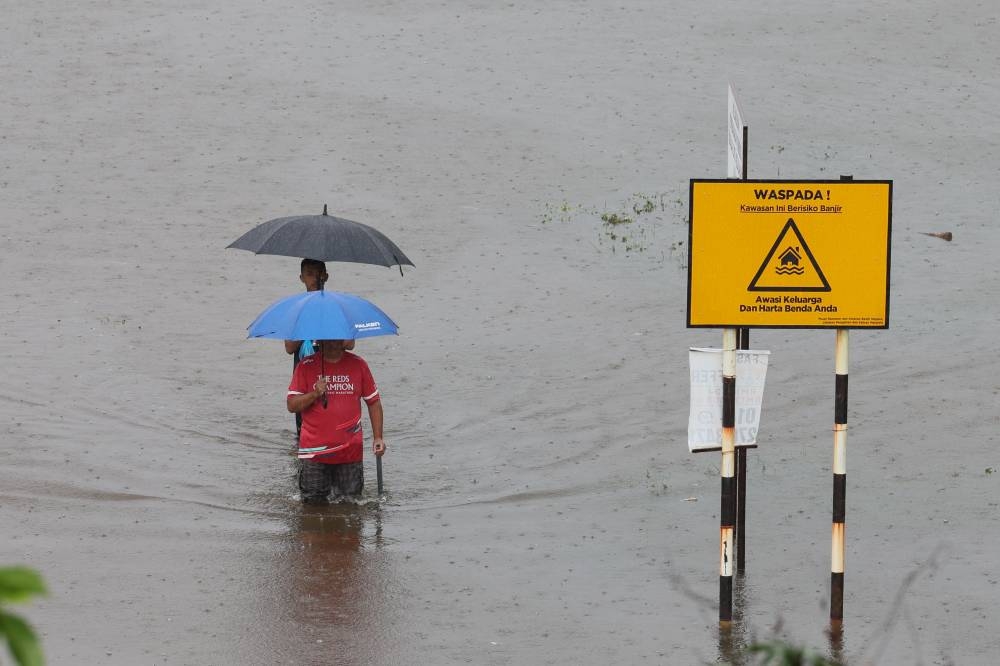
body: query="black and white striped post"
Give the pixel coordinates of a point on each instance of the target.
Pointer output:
(839, 480)
(726, 471)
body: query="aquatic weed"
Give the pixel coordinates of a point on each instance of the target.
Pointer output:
(19, 584)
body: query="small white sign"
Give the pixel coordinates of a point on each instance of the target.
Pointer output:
(736, 125)
(705, 420)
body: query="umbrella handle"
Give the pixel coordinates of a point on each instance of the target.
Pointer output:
(322, 369)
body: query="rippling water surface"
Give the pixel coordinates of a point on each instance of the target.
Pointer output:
(541, 505)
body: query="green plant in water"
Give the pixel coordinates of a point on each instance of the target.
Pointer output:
(643, 205)
(19, 584)
(614, 219)
(563, 212)
(778, 653)
(630, 228)
(635, 207)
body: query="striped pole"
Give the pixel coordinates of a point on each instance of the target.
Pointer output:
(728, 512)
(839, 480)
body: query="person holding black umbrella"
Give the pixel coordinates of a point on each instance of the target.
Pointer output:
(313, 275)
(327, 389)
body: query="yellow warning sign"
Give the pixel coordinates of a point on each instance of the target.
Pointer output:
(789, 254)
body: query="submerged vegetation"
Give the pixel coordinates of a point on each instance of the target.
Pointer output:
(630, 227)
(18, 584)
(779, 653)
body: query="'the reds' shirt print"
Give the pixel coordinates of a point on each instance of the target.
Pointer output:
(334, 435)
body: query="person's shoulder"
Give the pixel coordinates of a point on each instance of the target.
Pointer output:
(309, 360)
(351, 357)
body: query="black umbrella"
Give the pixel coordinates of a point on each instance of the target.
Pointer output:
(323, 238)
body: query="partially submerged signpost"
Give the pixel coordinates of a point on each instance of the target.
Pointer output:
(736, 167)
(713, 404)
(733, 470)
(786, 254)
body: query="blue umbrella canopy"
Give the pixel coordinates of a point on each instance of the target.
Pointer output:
(321, 315)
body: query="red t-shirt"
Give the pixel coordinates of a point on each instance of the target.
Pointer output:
(333, 435)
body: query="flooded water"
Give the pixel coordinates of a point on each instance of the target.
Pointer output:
(541, 504)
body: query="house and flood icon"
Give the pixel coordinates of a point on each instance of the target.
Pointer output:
(788, 262)
(789, 265)
(790, 256)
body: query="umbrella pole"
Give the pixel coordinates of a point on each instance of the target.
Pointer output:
(322, 370)
(378, 473)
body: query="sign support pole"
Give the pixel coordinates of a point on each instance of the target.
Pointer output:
(741, 483)
(726, 470)
(741, 509)
(839, 480)
(839, 476)
(743, 342)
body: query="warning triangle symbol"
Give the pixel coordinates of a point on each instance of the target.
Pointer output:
(790, 265)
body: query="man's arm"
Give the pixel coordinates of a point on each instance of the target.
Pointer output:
(300, 402)
(375, 416)
(293, 346)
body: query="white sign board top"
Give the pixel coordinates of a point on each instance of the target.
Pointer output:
(736, 125)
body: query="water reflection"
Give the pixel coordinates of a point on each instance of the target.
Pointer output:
(733, 635)
(328, 585)
(334, 576)
(835, 634)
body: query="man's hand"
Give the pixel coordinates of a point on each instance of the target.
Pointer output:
(320, 387)
(378, 445)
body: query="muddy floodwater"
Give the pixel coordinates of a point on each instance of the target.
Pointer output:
(541, 504)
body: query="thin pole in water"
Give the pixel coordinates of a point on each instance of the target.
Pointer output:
(839, 479)
(728, 509)
(741, 484)
(743, 342)
(378, 473)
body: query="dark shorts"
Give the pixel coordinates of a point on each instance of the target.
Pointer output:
(318, 481)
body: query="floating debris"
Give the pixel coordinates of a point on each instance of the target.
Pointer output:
(690, 499)
(943, 235)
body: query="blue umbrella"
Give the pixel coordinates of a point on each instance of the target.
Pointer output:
(321, 315)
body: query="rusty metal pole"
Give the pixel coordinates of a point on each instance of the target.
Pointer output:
(839, 480)
(728, 510)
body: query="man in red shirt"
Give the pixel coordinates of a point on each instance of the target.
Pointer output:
(327, 389)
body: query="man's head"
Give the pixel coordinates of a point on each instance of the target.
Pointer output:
(313, 274)
(334, 346)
